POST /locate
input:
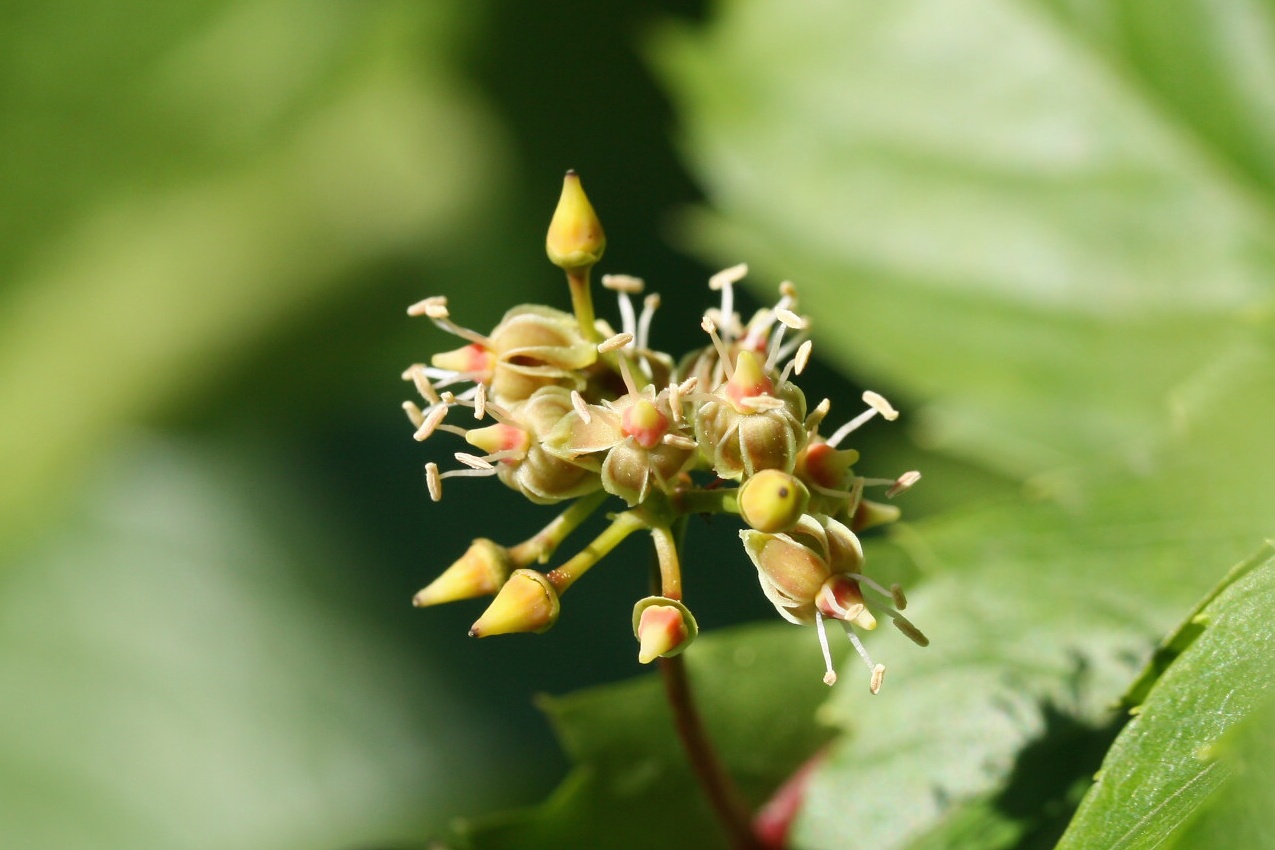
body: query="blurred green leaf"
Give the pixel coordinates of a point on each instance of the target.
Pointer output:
(190, 665)
(254, 155)
(631, 786)
(1027, 218)
(999, 210)
(1172, 761)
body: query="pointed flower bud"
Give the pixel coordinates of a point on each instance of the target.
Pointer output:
(772, 500)
(526, 603)
(575, 238)
(479, 572)
(663, 626)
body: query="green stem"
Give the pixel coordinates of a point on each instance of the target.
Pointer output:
(582, 303)
(621, 527)
(546, 541)
(723, 501)
(670, 566)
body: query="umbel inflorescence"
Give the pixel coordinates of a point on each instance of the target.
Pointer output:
(563, 408)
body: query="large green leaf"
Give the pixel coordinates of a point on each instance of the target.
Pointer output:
(631, 786)
(1173, 761)
(1028, 219)
(1002, 211)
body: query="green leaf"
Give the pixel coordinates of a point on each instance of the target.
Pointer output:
(1176, 755)
(1014, 216)
(631, 786)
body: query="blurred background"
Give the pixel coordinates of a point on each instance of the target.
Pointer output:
(214, 214)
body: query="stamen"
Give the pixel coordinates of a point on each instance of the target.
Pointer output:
(616, 342)
(850, 427)
(878, 403)
(904, 482)
(896, 595)
(758, 403)
(430, 423)
(830, 677)
(689, 384)
(418, 374)
(910, 631)
(803, 356)
(789, 318)
(628, 321)
(649, 306)
(429, 307)
(725, 280)
(473, 461)
(878, 676)
(577, 401)
(433, 481)
(675, 402)
(627, 376)
(776, 342)
(679, 441)
(414, 413)
(858, 646)
(625, 283)
(480, 401)
(817, 415)
(788, 291)
(723, 355)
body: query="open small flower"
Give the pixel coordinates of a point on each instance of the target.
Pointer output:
(813, 572)
(636, 442)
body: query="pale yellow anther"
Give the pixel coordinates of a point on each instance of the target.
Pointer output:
(904, 482)
(789, 318)
(429, 307)
(480, 401)
(651, 301)
(803, 357)
(616, 342)
(623, 283)
(878, 676)
(433, 481)
(430, 423)
(414, 413)
(678, 441)
(788, 290)
(473, 461)
(877, 402)
(734, 274)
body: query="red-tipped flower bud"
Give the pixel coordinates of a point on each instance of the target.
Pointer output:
(664, 627)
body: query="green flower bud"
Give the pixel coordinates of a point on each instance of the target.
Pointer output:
(575, 238)
(527, 602)
(480, 572)
(772, 500)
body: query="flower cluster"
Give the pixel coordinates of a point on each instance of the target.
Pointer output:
(565, 408)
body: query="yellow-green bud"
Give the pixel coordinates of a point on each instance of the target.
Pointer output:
(528, 602)
(479, 572)
(663, 626)
(575, 239)
(773, 500)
